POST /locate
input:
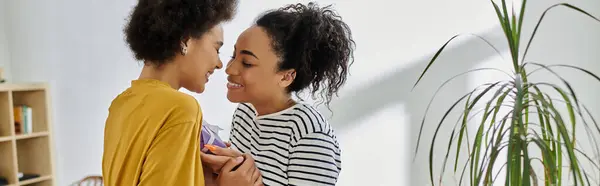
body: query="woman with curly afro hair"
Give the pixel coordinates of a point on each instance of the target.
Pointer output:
(152, 130)
(288, 50)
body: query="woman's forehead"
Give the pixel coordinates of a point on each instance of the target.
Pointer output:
(256, 40)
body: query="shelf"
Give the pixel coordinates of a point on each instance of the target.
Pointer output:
(29, 153)
(8, 165)
(32, 135)
(35, 180)
(36, 99)
(32, 156)
(5, 138)
(4, 87)
(6, 128)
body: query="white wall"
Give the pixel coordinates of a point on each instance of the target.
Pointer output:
(4, 49)
(78, 47)
(565, 37)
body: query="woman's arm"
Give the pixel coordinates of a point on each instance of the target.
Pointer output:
(314, 160)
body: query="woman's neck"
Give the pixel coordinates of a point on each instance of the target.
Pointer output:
(274, 105)
(166, 73)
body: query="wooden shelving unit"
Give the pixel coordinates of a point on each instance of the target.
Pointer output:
(26, 153)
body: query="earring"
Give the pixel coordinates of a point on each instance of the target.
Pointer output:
(184, 50)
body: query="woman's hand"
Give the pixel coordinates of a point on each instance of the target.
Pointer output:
(223, 151)
(210, 178)
(219, 157)
(240, 171)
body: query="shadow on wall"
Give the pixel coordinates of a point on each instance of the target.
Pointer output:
(395, 89)
(561, 39)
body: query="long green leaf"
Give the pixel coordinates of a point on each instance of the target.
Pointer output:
(596, 77)
(500, 99)
(468, 108)
(562, 130)
(566, 98)
(542, 18)
(462, 131)
(431, 150)
(592, 141)
(551, 144)
(590, 160)
(550, 173)
(437, 54)
(571, 91)
(521, 16)
(433, 98)
(503, 20)
(495, 147)
(477, 142)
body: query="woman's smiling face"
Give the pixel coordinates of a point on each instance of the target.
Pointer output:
(253, 71)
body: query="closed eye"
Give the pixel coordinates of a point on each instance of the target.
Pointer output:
(244, 63)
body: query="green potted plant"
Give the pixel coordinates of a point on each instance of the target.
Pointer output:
(539, 129)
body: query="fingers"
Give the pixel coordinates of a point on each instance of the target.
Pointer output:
(256, 175)
(231, 164)
(248, 165)
(213, 161)
(259, 182)
(209, 177)
(223, 151)
(227, 144)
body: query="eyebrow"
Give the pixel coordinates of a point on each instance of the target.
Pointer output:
(247, 52)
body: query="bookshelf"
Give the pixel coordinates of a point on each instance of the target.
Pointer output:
(28, 151)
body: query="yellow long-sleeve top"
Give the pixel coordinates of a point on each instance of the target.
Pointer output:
(151, 137)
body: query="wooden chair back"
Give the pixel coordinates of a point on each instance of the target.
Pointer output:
(91, 181)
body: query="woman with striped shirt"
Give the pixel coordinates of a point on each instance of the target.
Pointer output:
(288, 50)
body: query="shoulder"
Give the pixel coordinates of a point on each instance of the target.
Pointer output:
(181, 100)
(182, 107)
(315, 159)
(175, 101)
(246, 109)
(309, 121)
(170, 104)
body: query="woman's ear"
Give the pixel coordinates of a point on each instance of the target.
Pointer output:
(287, 78)
(185, 43)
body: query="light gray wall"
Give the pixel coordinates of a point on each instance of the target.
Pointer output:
(78, 47)
(4, 49)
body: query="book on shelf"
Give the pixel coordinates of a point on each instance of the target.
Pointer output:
(25, 176)
(3, 181)
(2, 80)
(23, 119)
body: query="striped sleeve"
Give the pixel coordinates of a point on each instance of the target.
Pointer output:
(314, 160)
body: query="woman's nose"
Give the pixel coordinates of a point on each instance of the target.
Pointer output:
(220, 64)
(229, 70)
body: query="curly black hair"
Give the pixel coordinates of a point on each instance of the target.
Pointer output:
(156, 28)
(315, 42)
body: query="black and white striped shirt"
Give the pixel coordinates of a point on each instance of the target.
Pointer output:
(295, 146)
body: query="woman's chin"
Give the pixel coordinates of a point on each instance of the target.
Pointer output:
(198, 89)
(233, 98)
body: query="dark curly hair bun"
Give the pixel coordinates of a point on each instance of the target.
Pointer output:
(156, 28)
(315, 42)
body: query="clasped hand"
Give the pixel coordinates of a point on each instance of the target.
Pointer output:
(232, 167)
